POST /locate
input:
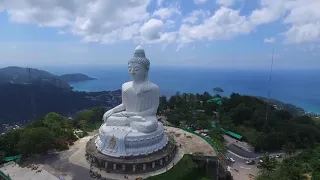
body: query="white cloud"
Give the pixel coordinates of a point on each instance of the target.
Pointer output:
(95, 21)
(225, 2)
(299, 33)
(269, 11)
(110, 21)
(61, 32)
(152, 29)
(169, 24)
(195, 16)
(166, 13)
(224, 24)
(159, 3)
(200, 1)
(269, 40)
(301, 16)
(124, 33)
(304, 18)
(153, 32)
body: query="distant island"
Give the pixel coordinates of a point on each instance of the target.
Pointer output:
(20, 75)
(76, 77)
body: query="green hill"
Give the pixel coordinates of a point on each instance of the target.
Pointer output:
(20, 75)
(22, 103)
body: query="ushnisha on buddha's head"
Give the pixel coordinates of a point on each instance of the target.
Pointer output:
(138, 66)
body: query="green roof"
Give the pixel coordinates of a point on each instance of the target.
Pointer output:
(235, 135)
(216, 99)
(11, 158)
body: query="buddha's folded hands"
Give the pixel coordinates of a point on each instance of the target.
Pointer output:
(125, 114)
(137, 118)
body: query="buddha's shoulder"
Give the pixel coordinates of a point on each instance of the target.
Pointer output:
(146, 86)
(152, 85)
(126, 85)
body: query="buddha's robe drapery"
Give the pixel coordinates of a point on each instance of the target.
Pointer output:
(143, 100)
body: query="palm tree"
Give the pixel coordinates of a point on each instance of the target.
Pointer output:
(267, 164)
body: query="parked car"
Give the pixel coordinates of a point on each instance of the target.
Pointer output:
(250, 162)
(231, 160)
(260, 160)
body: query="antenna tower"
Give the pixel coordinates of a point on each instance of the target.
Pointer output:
(32, 101)
(269, 90)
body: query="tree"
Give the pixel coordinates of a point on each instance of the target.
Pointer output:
(172, 102)
(87, 115)
(205, 96)
(218, 90)
(56, 123)
(290, 169)
(8, 142)
(163, 104)
(203, 124)
(268, 164)
(226, 122)
(210, 107)
(284, 115)
(289, 149)
(241, 113)
(36, 141)
(97, 114)
(216, 133)
(174, 119)
(2, 156)
(303, 120)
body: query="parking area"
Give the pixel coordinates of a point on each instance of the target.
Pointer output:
(240, 170)
(32, 172)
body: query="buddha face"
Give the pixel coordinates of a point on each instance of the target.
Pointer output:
(137, 72)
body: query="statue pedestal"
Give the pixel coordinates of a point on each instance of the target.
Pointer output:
(124, 141)
(132, 164)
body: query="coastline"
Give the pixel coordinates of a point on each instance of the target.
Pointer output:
(306, 111)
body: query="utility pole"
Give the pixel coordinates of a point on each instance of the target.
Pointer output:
(207, 165)
(217, 170)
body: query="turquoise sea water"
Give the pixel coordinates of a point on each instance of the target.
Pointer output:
(298, 87)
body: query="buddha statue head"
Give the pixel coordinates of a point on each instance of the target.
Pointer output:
(138, 66)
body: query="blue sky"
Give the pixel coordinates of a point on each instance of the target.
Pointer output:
(210, 33)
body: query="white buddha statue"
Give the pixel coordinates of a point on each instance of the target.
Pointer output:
(132, 128)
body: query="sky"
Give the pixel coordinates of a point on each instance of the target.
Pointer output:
(205, 33)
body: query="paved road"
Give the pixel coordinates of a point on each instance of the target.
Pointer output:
(241, 152)
(243, 169)
(240, 155)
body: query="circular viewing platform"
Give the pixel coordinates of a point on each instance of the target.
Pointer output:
(131, 164)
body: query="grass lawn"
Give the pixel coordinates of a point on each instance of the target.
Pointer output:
(185, 169)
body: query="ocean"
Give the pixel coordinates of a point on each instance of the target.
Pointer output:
(298, 87)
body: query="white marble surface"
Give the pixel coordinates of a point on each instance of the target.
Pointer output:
(131, 128)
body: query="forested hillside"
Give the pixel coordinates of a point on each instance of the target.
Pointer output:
(22, 103)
